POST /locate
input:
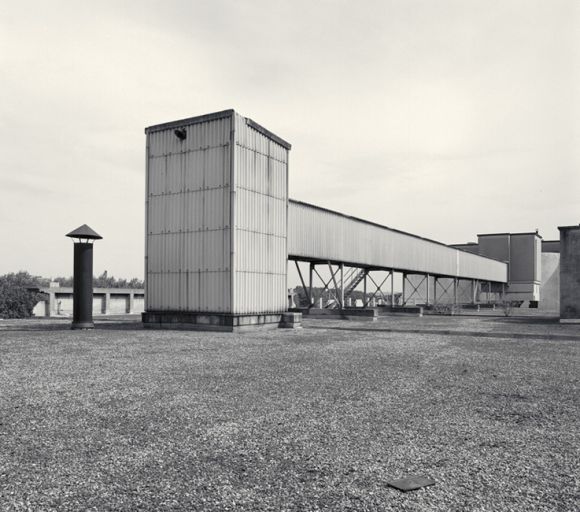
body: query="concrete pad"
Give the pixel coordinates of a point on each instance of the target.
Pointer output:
(411, 483)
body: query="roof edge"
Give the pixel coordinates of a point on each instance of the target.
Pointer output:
(569, 227)
(358, 219)
(510, 234)
(190, 120)
(267, 133)
(214, 116)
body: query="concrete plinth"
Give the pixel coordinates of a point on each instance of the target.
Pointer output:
(474, 307)
(217, 321)
(291, 320)
(407, 310)
(369, 314)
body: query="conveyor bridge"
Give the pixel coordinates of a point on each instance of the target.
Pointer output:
(325, 237)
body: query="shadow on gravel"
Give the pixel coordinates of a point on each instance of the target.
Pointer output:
(32, 328)
(64, 325)
(450, 332)
(537, 320)
(120, 326)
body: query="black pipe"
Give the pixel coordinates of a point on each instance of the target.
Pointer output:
(83, 287)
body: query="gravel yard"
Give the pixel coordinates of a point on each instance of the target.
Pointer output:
(121, 418)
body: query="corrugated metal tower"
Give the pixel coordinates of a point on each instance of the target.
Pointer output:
(216, 223)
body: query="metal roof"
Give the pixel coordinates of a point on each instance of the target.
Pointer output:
(212, 117)
(84, 231)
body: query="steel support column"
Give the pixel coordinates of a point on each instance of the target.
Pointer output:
(310, 286)
(342, 285)
(434, 290)
(404, 300)
(307, 291)
(336, 296)
(365, 287)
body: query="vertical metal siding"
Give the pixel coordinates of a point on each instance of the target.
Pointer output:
(525, 249)
(261, 222)
(495, 246)
(188, 212)
(325, 235)
(538, 259)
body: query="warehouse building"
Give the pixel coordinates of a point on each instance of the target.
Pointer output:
(523, 253)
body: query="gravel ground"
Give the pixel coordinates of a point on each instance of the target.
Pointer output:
(121, 418)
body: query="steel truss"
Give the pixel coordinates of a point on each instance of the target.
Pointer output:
(343, 282)
(344, 279)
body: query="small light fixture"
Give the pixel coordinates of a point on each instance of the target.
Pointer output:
(181, 133)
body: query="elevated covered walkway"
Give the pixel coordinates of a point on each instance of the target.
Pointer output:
(430, 270)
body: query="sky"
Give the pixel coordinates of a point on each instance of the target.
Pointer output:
(444, 118)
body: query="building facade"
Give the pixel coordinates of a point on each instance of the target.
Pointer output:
(58, 301)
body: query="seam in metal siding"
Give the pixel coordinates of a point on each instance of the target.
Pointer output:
(321, 234)
(147, 189)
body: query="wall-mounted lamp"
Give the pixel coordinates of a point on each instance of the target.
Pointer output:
(181, 133)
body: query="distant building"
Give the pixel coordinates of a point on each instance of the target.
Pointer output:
(58, 301)
(534, 265)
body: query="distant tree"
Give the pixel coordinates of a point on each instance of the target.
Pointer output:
(65, 282)
(104, 281)
(16, 300)
(136, 283)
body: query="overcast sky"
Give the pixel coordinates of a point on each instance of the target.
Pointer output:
(442, 118)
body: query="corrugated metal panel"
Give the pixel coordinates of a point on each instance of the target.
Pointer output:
(469, 247)
(188, 218)
(523, 257)
(537, 259)
(479, 267)
(315, 233)
(551, 246)
(495, 246)
(261, 197)
(199, 136)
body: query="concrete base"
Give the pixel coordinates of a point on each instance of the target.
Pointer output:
(224, 322)
(369, 314)
(291, 320)
(394, 310)
(82, 325)
(470, 307)
(570, 320)
(474, 307)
